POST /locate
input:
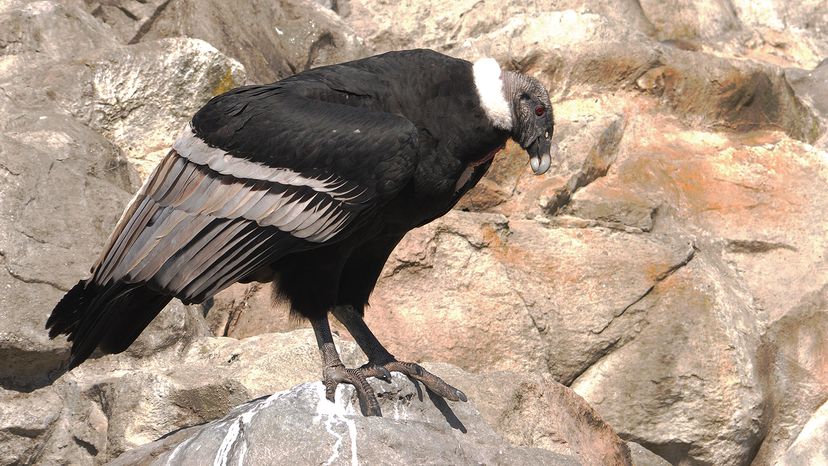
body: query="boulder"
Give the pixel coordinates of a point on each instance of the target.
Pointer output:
(535, 421)
(139, 97)
(300, 426)
(795, 382)
(45, 27)
(441, 26)
(272, 40)
(63, 181)
(116, 403)
(61, 188)
(810, 446)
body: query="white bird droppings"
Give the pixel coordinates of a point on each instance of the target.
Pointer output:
(335, 413)
(237, 425)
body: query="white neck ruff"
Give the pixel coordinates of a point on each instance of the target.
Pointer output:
(490, 90)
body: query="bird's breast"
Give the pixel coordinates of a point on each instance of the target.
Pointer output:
(467, 172)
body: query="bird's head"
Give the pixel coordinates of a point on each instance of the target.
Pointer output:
(519, 104)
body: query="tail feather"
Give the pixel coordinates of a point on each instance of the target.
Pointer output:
(108, 317)
(65, 317)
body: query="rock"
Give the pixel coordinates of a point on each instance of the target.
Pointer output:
(643, 457)
(300, 426)
(244, 310)
(115, 403)
(61, 187)
(699, 88)
(571, 50)
(532, 287)
(437, 25)
(272, 40)
(141, 96)
(533, 411)
(792, 368)
(681, 406)
(45, 27)
(64, 185)
(26, 418)
(670, 267)
(792, 31)
(415, 428)
(692, 20)
(810, 446)
(812, 87)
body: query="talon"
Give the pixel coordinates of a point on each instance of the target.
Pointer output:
(460, 395)
(431, 381)
(418, 369)
(334, 375)
(385, 374)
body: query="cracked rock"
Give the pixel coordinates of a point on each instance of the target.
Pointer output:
(300, 426)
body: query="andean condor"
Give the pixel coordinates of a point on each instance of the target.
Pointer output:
(309, 182)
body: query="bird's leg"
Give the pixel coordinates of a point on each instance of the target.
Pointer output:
(334, 372)
(380, 361)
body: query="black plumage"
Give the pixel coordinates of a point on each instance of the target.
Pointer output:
(310, 181)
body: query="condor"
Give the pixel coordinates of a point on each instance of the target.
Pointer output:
(309, 182)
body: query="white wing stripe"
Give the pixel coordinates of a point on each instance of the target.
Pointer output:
(191, 147)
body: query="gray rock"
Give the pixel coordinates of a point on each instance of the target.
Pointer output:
(300, 426)
(691, 20)
(795, 382)
(64, 185)
(441, 25)
(643, 457)
(812, 87)
(810, 446)
(45, 28)
(61, 186)
(114, 403)
(272, 39)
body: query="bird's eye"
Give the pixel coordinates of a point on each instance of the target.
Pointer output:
(539, 110)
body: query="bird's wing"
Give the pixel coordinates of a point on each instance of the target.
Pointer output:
(207, 217)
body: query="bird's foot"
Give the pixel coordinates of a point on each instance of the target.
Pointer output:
(335, 374)
(416, 372)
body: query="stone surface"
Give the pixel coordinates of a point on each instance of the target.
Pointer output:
(64, 178)
(810, 446)
(795, 377)
(271, 39)
(300, 426)
(115, 403)
(139, 97)
(61, 186)
(45, 27)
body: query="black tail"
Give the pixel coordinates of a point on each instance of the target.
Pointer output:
(107, 317)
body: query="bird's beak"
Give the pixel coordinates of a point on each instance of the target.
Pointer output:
(540, 154)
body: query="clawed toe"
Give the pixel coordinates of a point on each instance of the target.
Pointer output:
(334, 375)
(416, 372)
(379, 372)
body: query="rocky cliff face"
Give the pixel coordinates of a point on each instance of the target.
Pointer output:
(670, 269)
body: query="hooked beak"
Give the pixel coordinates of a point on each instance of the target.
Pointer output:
(540, 154)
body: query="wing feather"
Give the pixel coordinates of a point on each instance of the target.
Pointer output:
(207, 217)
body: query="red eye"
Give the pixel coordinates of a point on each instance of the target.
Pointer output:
(539, 110)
